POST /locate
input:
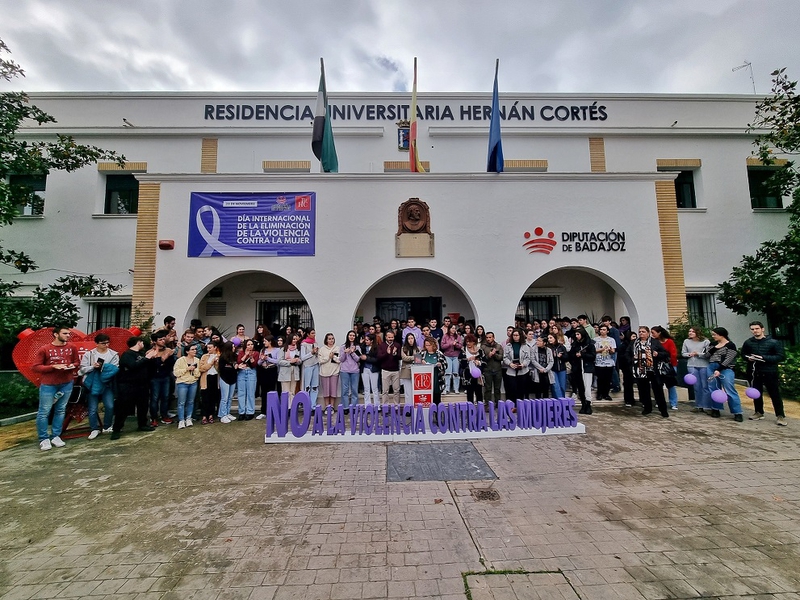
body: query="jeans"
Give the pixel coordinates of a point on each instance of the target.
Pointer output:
(349, 389)
(226, 398)
(185, 393)
(107, 396)
(673, 392)
(246, 383)
(560, 383)
(451, 373)
(702, 395)
(47, 398)
(159, 397)
(725, 382)
(311, 383)
(370, 379)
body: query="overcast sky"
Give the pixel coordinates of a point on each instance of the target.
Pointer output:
(639, 46)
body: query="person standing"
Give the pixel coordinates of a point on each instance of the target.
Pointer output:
(517, 359)
(721, 360)
(56, 363)
(268, 360)
(246, 362)
(559, 365)
(411, 327)
(436, 331)
(389, 362)
(371, 370)
(542, 369)
(160, 377)
(668, 373)
(187, 372)
(431, 355)
(645, 355)
(132, 386)
(493, 373)
(604, 362)
(763, 355)
(695, 347)
(472, 356)
(349, 370)
(226, 365)
(581, 357)
(329, 370)
(450, 346)
(209, 382)
(310, 366)
(409, 355)
(99, 366)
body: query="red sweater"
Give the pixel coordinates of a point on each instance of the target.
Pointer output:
(50, 355)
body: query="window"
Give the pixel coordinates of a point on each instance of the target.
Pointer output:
(761, 196)
(702, 309)
(34, 186)
(122, 195)
(684, 190)
(284, 312)
(536, 308)
(110, 314)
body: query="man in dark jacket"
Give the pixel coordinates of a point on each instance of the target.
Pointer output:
(132, 387)
(493, 373)
(763, 354)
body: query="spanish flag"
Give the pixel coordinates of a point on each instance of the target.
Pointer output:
(413, 156)
(322, 137)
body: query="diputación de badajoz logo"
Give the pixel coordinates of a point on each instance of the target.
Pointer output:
(540, 244)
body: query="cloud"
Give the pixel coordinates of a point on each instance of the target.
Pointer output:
(626, 46)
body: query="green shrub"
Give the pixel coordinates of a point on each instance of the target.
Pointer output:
(17, 395)
(789, 373)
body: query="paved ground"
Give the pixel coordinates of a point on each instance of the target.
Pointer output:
(639, 507)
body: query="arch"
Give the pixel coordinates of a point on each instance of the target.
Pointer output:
(553, 283)
(249, 287)
(452, 291)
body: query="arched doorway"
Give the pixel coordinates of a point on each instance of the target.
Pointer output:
(421, 293)
(251, 298)
(571, 291)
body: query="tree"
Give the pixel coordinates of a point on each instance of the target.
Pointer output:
(56, 302)
(768, 281)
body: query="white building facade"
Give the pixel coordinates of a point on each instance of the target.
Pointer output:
(649, 200)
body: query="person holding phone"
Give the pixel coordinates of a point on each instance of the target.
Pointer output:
(99, 366)
(56, 364)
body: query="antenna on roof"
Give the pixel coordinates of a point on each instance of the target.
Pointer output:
(748, 65)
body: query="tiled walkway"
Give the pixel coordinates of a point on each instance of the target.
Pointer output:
(639, 507)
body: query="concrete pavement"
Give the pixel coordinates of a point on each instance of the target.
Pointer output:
(638, 507)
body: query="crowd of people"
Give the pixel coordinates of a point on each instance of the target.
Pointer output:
(556, 357)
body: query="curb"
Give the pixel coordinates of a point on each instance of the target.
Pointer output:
(17, 419)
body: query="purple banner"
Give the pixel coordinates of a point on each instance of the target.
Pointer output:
(252, 224)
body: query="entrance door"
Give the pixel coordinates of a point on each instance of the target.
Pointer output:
(423, 309)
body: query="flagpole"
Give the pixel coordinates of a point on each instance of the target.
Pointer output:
(413, 158)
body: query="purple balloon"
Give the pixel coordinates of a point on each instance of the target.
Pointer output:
(719, 396)
(236, 341)
(752, 393)
(689, 379)
(474, 371)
